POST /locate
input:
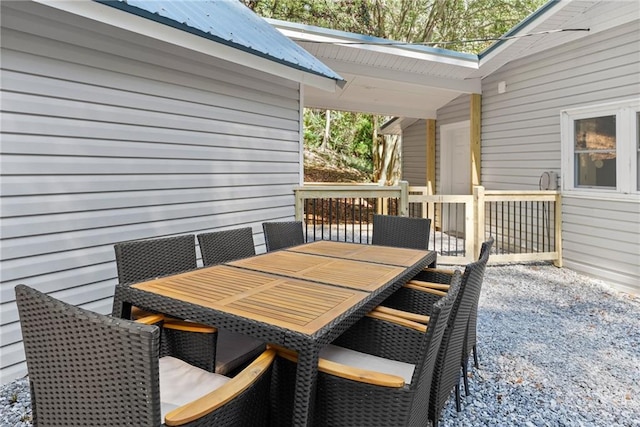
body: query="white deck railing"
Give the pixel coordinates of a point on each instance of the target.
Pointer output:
(526, 225)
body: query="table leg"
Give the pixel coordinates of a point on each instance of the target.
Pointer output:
(306, 375)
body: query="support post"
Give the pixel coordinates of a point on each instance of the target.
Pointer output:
(404, 198)
(475, 132)
(478, 205)
(558, 230)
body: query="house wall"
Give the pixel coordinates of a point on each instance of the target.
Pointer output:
(108, 136)
(521, 139)
(414, 154)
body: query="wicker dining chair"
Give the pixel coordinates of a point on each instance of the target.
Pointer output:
(88, 369)
(401, 231)
(433, 278)
(226, 245)
(378, 373)
(419, 297)
(141, 260)
(280, 235)
(233, 350)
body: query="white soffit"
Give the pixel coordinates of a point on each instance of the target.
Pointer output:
(409, 81)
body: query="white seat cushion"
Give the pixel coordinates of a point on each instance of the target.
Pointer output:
(233, 350)
(360, 360)
(181, 383)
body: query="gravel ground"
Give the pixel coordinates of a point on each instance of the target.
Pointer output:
(556, 349)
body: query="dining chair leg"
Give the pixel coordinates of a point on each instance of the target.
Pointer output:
(475, 356)
(458, 404)
(434, 422)
(465, 377)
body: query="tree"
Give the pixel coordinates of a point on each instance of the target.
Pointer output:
(447, 24)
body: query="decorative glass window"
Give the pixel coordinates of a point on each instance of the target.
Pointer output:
(595, 152)
(601, 148)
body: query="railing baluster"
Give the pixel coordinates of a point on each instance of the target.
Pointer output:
(523, 223)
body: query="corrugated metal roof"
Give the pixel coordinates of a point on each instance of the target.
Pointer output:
(228, 22)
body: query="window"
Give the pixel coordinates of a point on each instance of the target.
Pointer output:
(601, 148)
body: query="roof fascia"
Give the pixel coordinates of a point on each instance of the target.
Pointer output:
(140, 25)
(543, 13)
(314, 34)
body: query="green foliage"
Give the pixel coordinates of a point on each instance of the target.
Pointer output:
(350, 134)
(444, 22)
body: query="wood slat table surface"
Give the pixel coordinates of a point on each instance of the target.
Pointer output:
(334, 271)
(293, 304)
(360, 252)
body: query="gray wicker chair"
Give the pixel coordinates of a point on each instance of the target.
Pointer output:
(227, 245)
(419, 297)
(433, 278)
(233, 350)
(378, 373)
(401, 232)
(87, 369)
(281, 235)
(470, 342)
(140, 260)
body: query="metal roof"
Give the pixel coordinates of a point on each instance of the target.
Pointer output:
(228, 22)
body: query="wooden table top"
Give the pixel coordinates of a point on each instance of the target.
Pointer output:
(372, 253)
(297, 305)
(347, 273)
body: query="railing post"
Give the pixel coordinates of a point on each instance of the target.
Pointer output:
(558, 230)
(478, 210)
(299, 203)
(404, 198)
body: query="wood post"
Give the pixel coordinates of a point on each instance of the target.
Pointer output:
(478, 210)
(475, 133)
(558, 231)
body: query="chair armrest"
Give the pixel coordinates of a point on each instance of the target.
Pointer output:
(438, 286)
(435, 275)
(219, 397)
(401, 321)
(150, 319)
(137, 312)
(351, 373)
(438, 270)
(425, 289)
(420, 318)
(183, 325)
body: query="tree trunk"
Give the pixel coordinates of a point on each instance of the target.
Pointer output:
(327, 130)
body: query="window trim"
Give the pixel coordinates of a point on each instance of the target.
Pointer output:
(626, 147)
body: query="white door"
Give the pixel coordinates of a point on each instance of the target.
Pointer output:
(455, 172)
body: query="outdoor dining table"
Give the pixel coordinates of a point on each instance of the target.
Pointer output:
(301, 298)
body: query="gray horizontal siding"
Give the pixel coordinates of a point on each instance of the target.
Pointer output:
(521, 139)
(108, 136)
(414, 154)
(602, 238)
(599, 68)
